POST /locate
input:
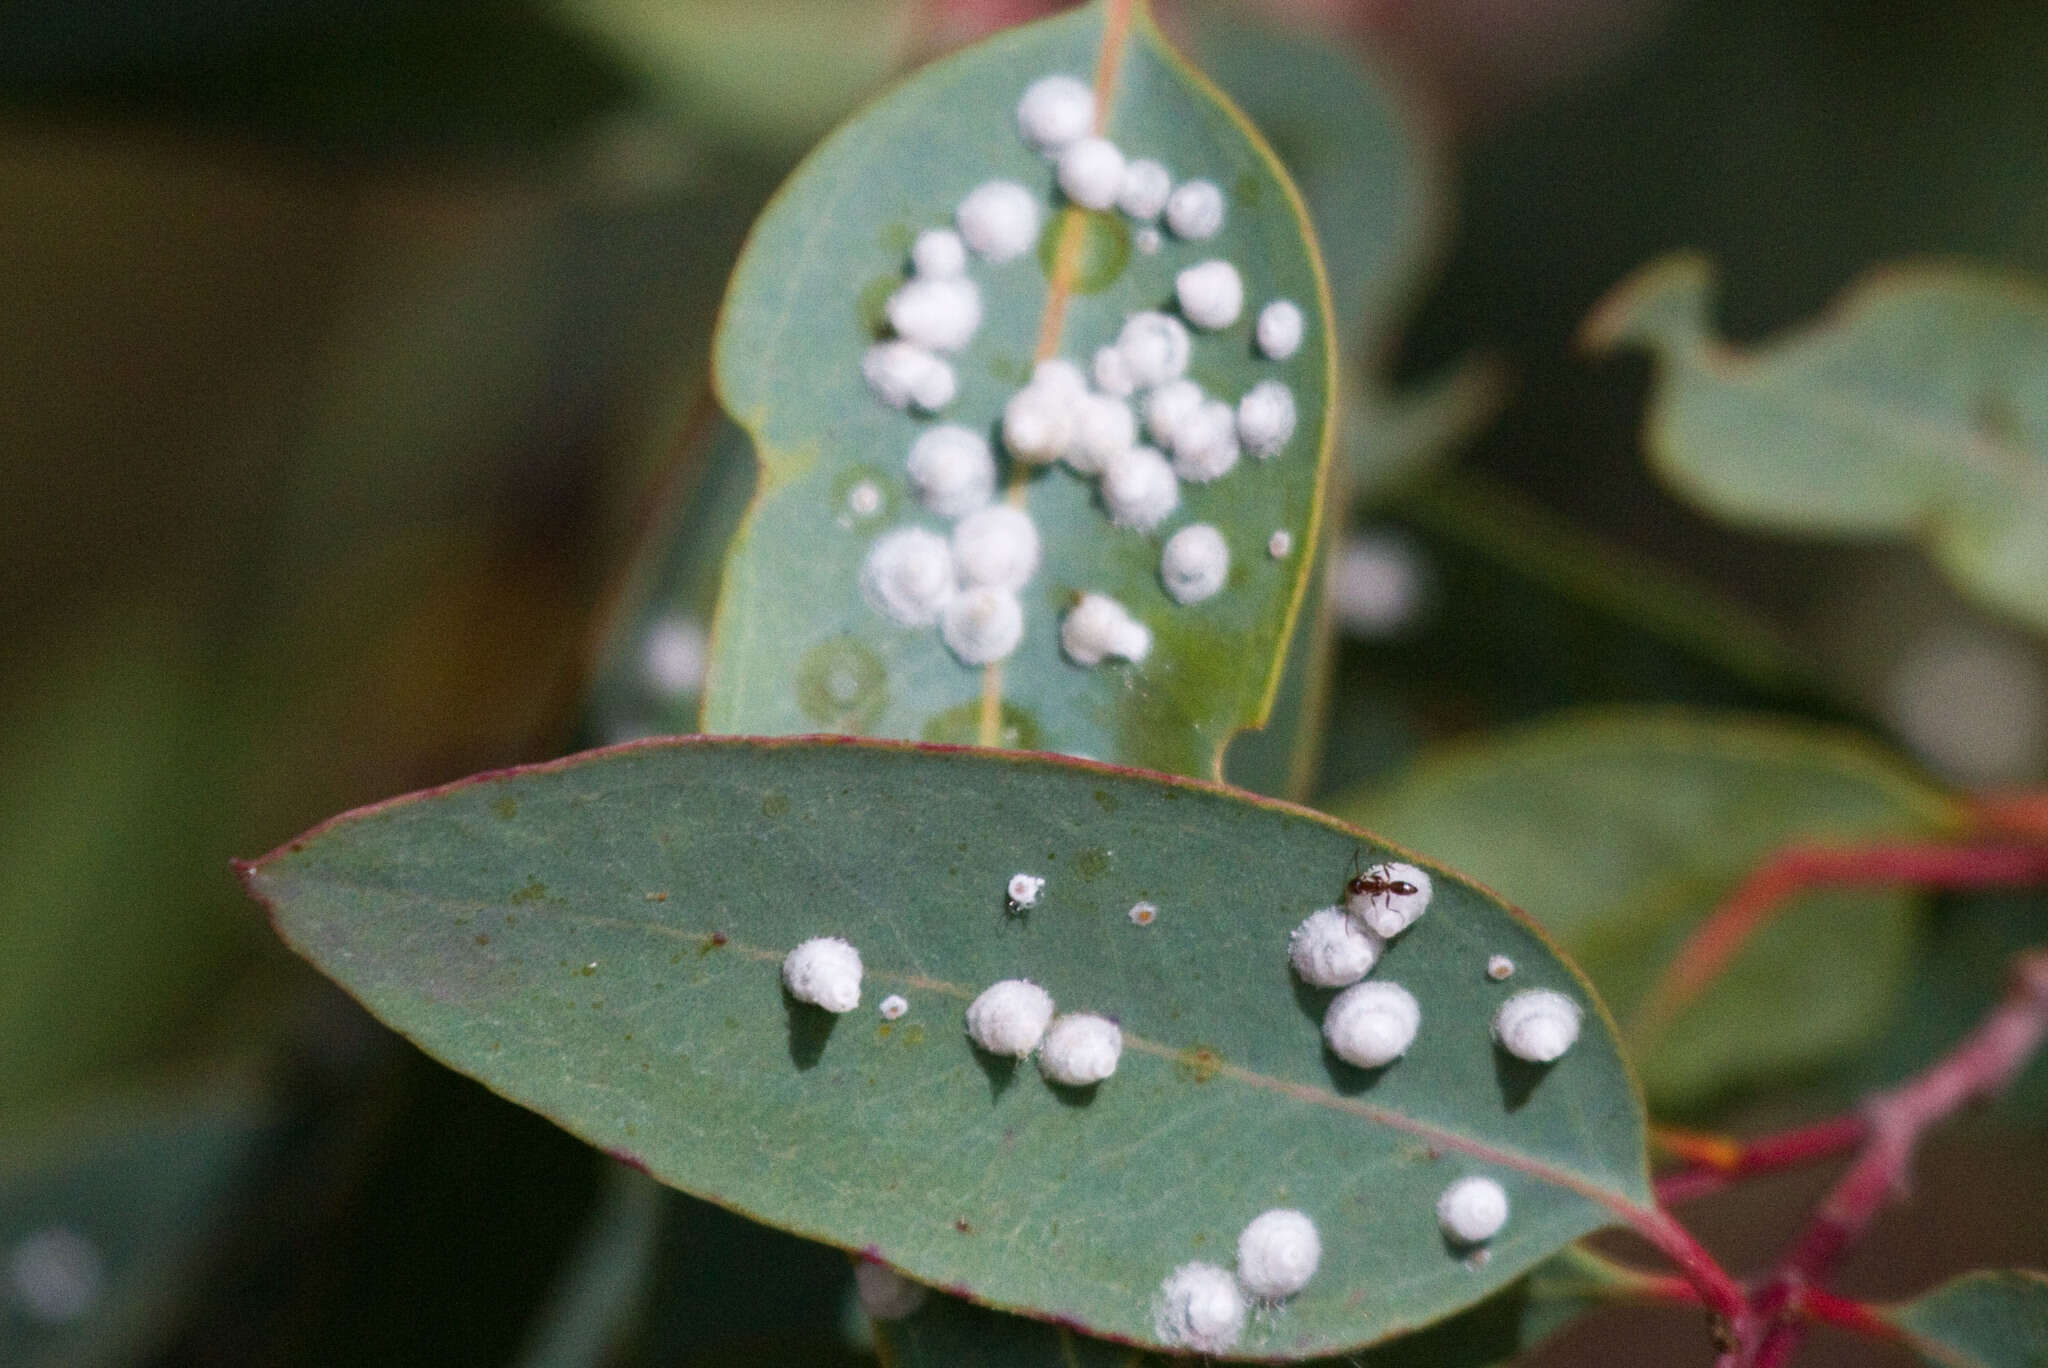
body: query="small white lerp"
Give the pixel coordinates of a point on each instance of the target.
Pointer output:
(1205, 443)
(1211, 294)
(1104, 429)
(997, 547)
(908, 576)
(1098, 627)
(1330, 950)
(1080, 1050)
(1277, 1254)
(952, 470)
(893, 1007)
(999, 220)
(1023, 889)
(1145, 188)
(1279, 329)
(938, 252)
(1009, 1018)
(1265, 418)
(982, 625)
(1472, 1210)
(1169, 407)
(904, 375)
(1194, 563)
(1139, 489)
(1372, 1024)
(1195, 209)
(941, 313)
(1056, 110)
(1537, 1025)
(1156, 346)
(1200, 1308)
(1091, 172)
(825, 972)
(1386, 911)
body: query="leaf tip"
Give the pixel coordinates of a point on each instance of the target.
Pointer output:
(1664, 307)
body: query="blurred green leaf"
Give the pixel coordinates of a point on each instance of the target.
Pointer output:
(1918, 408)
(597, 1295)
(1621, 831)
(796, 647)
(105, 1222)
(1393, 439)
(1980, 1320)
(599, 939)
(947, 1332)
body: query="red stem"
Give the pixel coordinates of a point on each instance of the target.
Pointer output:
(1717, 1164)
(1823, 1307)
(1765, 892)
(1980, 1067)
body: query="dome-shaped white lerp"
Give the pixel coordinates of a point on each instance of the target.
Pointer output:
(1373, 1024)
(1139, 489)
(1265, 418)
(1330, 950)
(1195, 209)
(825, 972)
(908, 576)
(938, 312)
(1537, 1025)
(1097, 627)
(1091, 172)
(999, 220)
(996, 546)
(1277, 1254)
(1200, 1308)
(982, 625)
(1279, 329)
(952, 470)
(1387, 912)
(1194, 563)
(1211, 294)
(1080, 1049)
(1056, 110)
(1472, 1210)
(1009, 1018)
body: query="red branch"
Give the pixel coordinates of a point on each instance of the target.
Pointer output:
(1796, 869)
(1823, 1307)
(1978, 1068)
(1714, 1162)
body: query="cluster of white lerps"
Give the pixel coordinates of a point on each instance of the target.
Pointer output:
(1202, 1306)
(1014, 1019)
(1133, 421)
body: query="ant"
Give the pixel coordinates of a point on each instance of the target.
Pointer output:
(1373, 883)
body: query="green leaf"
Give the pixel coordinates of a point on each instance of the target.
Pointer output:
(946, 1332)
(600, 939)
(797, 647)
(109, 1220)
(1917, 409)
(1623, 830)
(597, 1295)
(1980, 1320)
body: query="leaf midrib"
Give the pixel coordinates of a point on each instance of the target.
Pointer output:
(1116, 31)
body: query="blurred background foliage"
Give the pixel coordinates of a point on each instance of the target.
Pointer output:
(355, 430)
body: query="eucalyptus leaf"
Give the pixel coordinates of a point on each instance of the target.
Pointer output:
(797, 646)
(1622, 830)
(1918, 408)
(1980, 1320)
(600, 939)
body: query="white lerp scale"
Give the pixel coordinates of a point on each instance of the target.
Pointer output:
(996, 547)
(1200, 1307)
(941, 313)
(908, 576)
(904, 375)
(1056, 110)
(1097, 627)
(1372, 1024)
(1472, 1210)
(1146, 185)
(1009, 1018)
(982, 625)
(1279, 329)
(1139, 488)
(1330, 950)
(1091, 172)
(825, 972)
(1537, 1025)
(998, 220)
(952, 470)
(1389, 913)
(1205, 446)
(1278, 1253)
(1080, 1050)
(1195, 210)
(1194, 563)
(1211, 294)
(1265, 418)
